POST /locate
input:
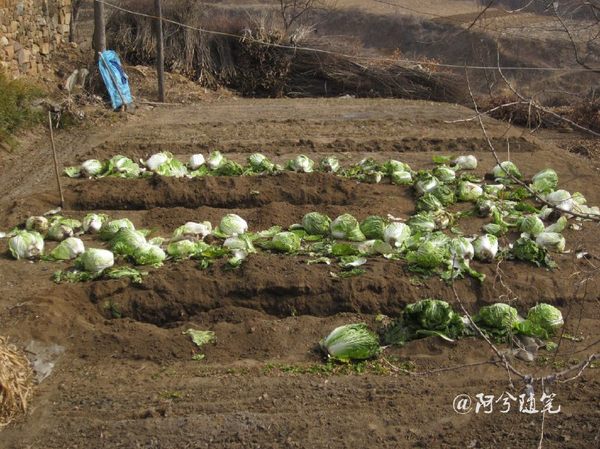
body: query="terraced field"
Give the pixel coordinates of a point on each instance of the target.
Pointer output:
(127, 379)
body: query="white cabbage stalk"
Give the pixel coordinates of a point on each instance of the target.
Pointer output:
(238, 256)
(561, 199)
(196, 161)
(545, 212)
(441, 218)
(401, 177)
(486, 247)
(68, 249)
(531, 225)
(559, 226)
(544, 181)
(468, 162)
(461, 249)
(346, 227)
(192, 230)
(578, 198)
(110, 228)
(393, 166)
(91, 168)
(181, 249)
(93, 222)
(232, 225)
(157, 241)
(468, 191)
(58, 232)
(242, 243)
(493, 189)
(395, 234)
(26, 245)
(301, 164)
(372, 177)
(330, 164)
(372, 247)
(552, 241)
(426, 185)
(586, 210)
(156, 160)
(96, 260)
(256, 159)
(506, 169)
(485, 207)
(445, 173)
(39, 224)
(215, 159)
(148, 254)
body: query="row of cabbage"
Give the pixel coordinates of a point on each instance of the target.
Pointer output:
(343, 240)
(508, 205)
(216, 164)
(430, 240)
(499, 322)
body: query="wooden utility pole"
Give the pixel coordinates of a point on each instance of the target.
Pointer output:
(99, 41)
(160, 54)
(56, 172)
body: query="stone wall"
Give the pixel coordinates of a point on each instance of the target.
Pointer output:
(30, 30)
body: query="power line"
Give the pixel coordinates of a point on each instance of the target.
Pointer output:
(343, 55)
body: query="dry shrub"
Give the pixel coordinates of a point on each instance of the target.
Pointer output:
(248, 66)
(587, 114)
(509, 108)
(16, 382)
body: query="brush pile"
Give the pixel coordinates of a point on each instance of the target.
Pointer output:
(15, 382)
(246, 63)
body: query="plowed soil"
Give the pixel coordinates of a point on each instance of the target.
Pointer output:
(127, 378)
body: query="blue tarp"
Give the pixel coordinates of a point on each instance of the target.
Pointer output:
(110, 61)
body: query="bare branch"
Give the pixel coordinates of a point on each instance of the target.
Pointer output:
(539, 106)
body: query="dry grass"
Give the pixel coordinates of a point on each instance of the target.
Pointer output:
(16, 382)
(587, 113)
(502, 107)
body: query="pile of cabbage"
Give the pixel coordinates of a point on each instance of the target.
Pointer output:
(433, 317)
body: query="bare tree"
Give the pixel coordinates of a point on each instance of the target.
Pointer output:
(293, 11)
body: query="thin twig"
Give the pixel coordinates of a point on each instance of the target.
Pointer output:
(541, 442)
(510, 175)
(470, 119)
(500, 355)
(581, 367)
(438, 370)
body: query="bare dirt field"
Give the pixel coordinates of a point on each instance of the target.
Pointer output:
(128, 379)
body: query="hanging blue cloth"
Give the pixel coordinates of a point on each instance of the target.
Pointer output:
(110, 64)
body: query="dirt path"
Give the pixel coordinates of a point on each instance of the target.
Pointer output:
(127, 379)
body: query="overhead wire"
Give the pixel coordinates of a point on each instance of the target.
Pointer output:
(344, 55)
